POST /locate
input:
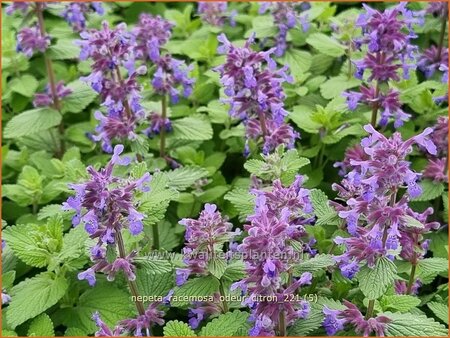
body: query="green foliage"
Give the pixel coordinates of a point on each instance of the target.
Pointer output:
(407, 324)
(225, 325)
(175, 328)
(374, 282)
(32, 121)
(41, 326)
(326, 45)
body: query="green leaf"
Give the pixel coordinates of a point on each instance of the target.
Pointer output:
(302, 327)
(242, 200)
(44, 290)
(153, 265)
(400, 303)
(175, 328)
(152, 284)
(412, 222)
(440, 310)
(25, 85)
(41, 326)
(430, 190)
(225, 325)
(82, 95)
(8, 279)
(429, 268)
(317, 263)
(335, 86)
(234, 271)
(8, 333)
(197, 287)
(74, 332)
(217, 266)
(21, 240)
(374, 282)
(326, 45)
(184, 177)
(326, 215)
(407, 324)
(298, 61)
(32, 121)
(63, 50)
(193, 128)
(112, 304)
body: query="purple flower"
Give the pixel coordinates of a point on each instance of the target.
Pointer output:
(104, 330)
(46, 99)
(105, 204)
(432, 59)
(75, 13)
(30, 40)
(285, 16)
(5, 298)
(201, 310)
(204, 237)
(215, 13)
(436, 170)
(152, 33)
(332, 323)
(17, 6)
(141, 325)
(256, 96)
(437, 8)
(268, 251)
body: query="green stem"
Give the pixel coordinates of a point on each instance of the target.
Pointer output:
(223, 294)
(282, 324)
(375, 107)
(131, 284)
(162, 134)
(51, 77)
(349, 58)
(442, 35)
(155, 237)
(412, 275)
(370, 307)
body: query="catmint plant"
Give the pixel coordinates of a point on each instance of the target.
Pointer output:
(386, 35)
(171, 75)
(110, 50)
(253, 84)
(270, 252)
(215, 13)
(286, 15)
(75, 13)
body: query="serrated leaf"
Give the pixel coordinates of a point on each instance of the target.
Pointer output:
(25, 85)
(74, 332)
(400, 303)
(298, 61)
(317, 263)
(45, 290)
(41, 326)
(440, 310)
(197, 287)
(234, 271)
(217, 266)
(242, 200)
(8, 279)
(335, 86)
(374, 282)
(63, 50)
(152, 284)
(326, 45)
(302, 327)
(430, 190)
(326, 215)
(82, 95)
(407, 324)
(193, 128)
(225, 325)
(153, 265)
(32, 121)
(20, 239)
(175, 328)
(429, 268)
(112, 304)
(184, 177)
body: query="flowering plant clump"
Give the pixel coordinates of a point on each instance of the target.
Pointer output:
(155, 182)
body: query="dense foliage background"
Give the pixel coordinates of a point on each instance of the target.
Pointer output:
(202, 129)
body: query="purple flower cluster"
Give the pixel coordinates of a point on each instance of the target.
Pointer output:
(204, 237)
(156, 123)
(432, 60)
(255, 93)
(46, 99)
(110, 49)
(436, 168)
(387, 35)
(285, 16)
(370, 191)
(31, 40)
(279, 219)
(335, 320)
(105, 205)
(139, 326)
(75, 13)
(215, 13)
